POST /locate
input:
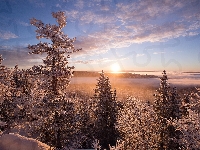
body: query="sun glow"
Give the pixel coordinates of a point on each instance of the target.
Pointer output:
(115, 67)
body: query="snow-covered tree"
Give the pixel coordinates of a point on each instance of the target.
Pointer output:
(169, 109)
(168, 103)
(84, 120)
(6, 102)
(14, 97)
(22, 79)
(147, 126)
(55, 67)
(4, 79)
(190, 125)
(105, 113)
(56, 123)
(137, 123)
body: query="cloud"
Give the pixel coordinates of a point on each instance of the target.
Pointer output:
(162, 32)
(140, 55)
(20, 56)
(96, 61)
(99, 42)
(92, 61)
(6, 35)
(105, 8)
(58, 5)
(146, 10)
(38, 3)
(79, 4)
(116, 37)
(155, 53)
(103, 11)
(24, 23)
(88, 16)
(135, 22)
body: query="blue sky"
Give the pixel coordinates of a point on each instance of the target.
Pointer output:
(140, 35)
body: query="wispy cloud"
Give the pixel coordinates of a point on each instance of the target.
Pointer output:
(79, 4)
(99, 42)
(38, 3)
(24, 23)
(155, 53)
(58, 5)
(116, 37)
(96, 61)
(92, 61)
(6, 35)
(146, 10)
(162, 32)
(137, 22)
(140, 55)
(87, 17)
(19, 55)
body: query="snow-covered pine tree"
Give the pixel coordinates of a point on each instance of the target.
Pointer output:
(5, 74)
(168, 107)
(55, 64)
(190, 125)
(22, 79)
(12, 105)
(16, 93)
(84, 119)
(10, 96)
(105, 113)
(6, 103)
(4, 77)
(137, 124)
(23, 84)
(56, 123)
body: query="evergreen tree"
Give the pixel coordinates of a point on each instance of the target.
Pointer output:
(106, 113)
(190, 125)
(55, 67)
(84, 119)
(12, 106)
(56, 128)
(168, 107)
(137, 124)
(7, 106)
(21, 78)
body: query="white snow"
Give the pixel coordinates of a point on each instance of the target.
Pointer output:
(17, 142)
(2, 123)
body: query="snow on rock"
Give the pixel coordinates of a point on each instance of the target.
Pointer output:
(17, 142)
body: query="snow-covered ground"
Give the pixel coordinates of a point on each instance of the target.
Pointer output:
(13, 141)
(18, 142)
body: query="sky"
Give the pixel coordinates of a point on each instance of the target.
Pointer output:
(133, 35)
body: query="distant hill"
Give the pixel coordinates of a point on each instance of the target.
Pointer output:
(119, 75)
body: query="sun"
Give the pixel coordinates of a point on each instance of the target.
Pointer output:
(115, 67)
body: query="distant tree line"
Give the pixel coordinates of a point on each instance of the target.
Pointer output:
(118, 75)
